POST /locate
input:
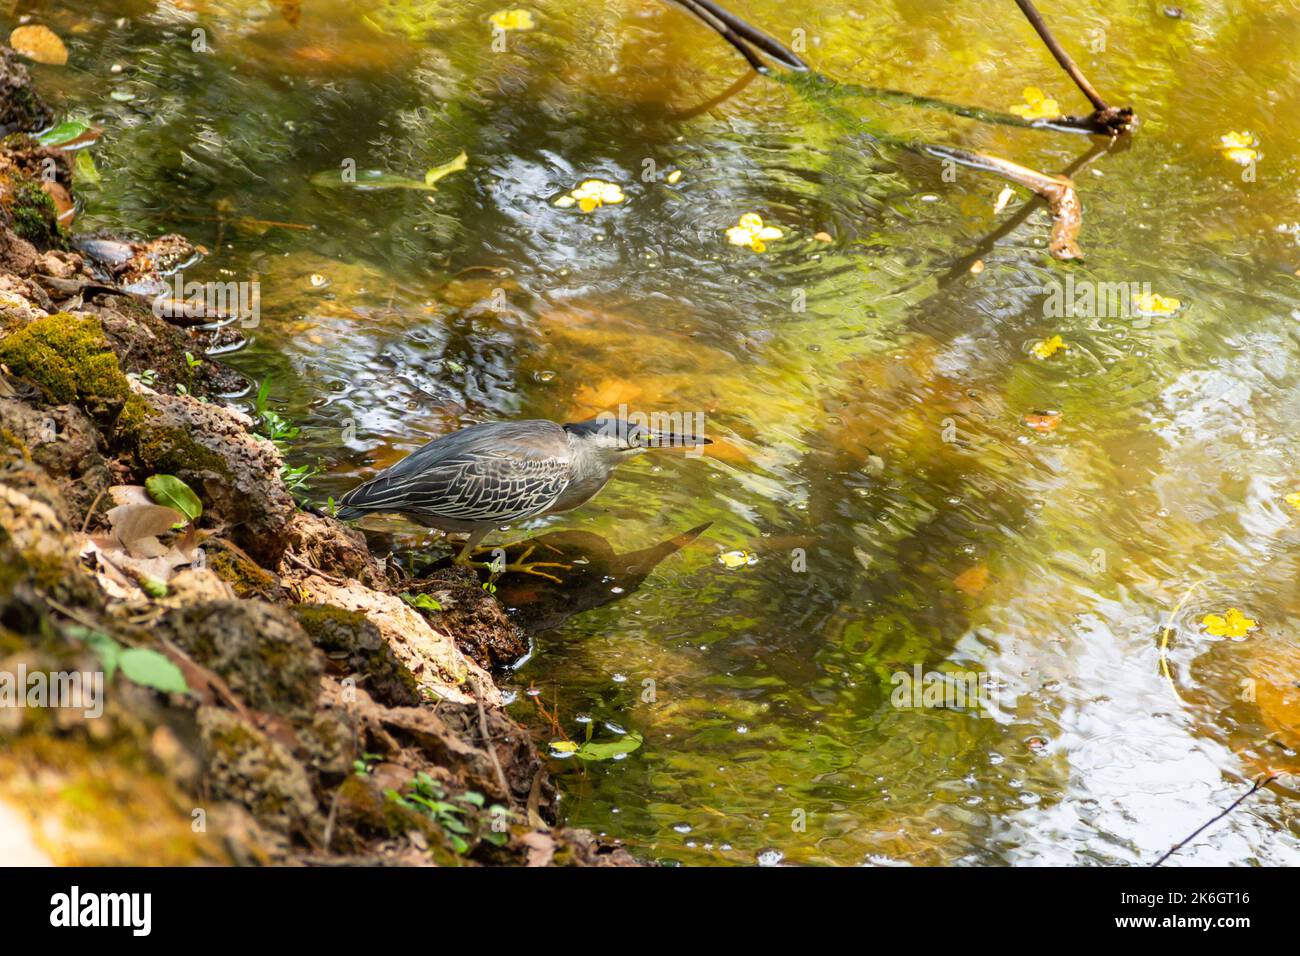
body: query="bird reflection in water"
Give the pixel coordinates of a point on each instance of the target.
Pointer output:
(581, 572)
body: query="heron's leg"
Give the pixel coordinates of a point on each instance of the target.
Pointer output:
(521, 566)
(524, 566)
(475, 537)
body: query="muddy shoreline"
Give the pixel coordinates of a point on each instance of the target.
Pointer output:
(327, 717)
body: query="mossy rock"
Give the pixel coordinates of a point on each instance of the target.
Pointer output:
(257, 648)
(70, 360)
(354, 646)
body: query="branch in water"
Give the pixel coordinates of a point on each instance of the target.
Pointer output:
(1262, 782)
(743, 37)
(1059, 191)
(1107, 120)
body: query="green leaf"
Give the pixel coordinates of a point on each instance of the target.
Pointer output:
(597, 751)
(446, 169)
(85, 168)
(152, 669)
(470, 796)
(373, 179)
(108, 649)
(422, 601)
(171, 491)
(69, 133)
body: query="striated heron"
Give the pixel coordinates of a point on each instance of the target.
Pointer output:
(498, 473)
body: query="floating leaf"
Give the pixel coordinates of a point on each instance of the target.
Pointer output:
(39, 43)
(170, 491)
(564, 746)
(731, 560)
(151, 669)
(446, 169)
(608, 751)
(70, 134)
(84, 165)
(375, 179)
(1232, 623)
(973, 580)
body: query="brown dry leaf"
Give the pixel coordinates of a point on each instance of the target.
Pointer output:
(1043, 421)
(40, 44)
(541, 848)
(136, 527)
(63, 204)
(129, 495)
(973, 580)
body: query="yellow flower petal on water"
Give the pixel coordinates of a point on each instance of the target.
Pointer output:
(564, 746)
(1036, 105)
(1293, 500)
(1004, 197)
(735, 559)
(751, 232)
(1152, 303)
(591, 194)
(739, 236)
(674, 177)
(1240, 147)
(512, 20)
(1048, 347)
(1232, 623)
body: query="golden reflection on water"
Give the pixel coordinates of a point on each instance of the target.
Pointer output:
(868, 395)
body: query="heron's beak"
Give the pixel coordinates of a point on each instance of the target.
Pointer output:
(672, 440)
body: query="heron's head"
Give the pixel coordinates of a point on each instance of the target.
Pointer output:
(614, 439)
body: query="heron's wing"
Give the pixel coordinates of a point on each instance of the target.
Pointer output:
(491, 473)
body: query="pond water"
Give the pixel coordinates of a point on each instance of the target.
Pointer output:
(878, 502)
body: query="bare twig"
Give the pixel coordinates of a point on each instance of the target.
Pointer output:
(743, 37)
(487, 737)
(1104, 119)
(1262, 782)
(1059, 191)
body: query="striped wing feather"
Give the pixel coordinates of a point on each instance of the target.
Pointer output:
(496, 472)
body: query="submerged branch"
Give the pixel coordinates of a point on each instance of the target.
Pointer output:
(1262, 782)
(1062, 198)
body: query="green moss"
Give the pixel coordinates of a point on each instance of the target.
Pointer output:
(35, 217)
(69, 358)
(160, 447)
(247, 579)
